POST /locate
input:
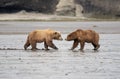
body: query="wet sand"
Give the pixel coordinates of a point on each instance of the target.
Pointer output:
(16, 63)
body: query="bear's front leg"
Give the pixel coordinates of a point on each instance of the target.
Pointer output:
(75, 44)
(82, 43)
(46, 46)
(50, 44)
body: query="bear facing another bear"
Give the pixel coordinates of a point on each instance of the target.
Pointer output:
(39, 36)
(48, 35)
(82, 36)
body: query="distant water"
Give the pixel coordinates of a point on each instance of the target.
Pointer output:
(65, 27)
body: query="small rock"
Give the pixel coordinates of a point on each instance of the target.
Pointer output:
(19, 58)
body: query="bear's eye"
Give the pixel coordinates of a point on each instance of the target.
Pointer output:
(69, 35)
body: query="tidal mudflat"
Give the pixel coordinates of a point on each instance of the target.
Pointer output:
(16, 63)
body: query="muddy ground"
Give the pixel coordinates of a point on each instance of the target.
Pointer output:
(16, 63)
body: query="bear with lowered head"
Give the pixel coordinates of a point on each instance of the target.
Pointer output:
(82, 36)
(39, 36)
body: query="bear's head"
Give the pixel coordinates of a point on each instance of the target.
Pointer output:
(71, 36)
(57, 35)
(74, 35)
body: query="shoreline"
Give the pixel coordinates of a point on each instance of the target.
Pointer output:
(32, 16)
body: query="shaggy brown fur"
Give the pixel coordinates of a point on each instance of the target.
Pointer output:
(82, 36)
(39, 36)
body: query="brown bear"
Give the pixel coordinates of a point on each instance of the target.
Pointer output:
(39, 36)
(82, 36)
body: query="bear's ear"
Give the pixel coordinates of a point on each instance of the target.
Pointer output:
(55, 33)
(79, 30)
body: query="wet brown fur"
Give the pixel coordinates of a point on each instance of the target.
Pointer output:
(82, 36)
(39, 36)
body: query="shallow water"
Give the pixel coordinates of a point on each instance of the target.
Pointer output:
(16, 63)
(64, 27)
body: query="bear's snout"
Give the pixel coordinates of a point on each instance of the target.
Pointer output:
(60, 38)
(66, 39)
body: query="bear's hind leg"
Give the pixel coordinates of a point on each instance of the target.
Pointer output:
(96, 46)
(27, 44)
(33, 44)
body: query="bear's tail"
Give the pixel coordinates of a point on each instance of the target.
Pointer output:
(27, 44)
